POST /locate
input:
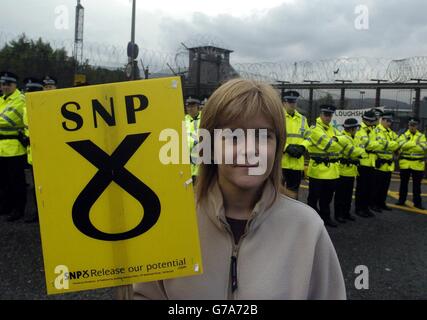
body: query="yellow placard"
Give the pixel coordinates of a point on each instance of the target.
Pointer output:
(79, 79)
(110, 212)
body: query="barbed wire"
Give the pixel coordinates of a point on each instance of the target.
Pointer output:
(359, 69)
(105, 55)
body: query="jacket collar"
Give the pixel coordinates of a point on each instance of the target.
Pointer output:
(193, 119)
(296, 114)
(381, 127)
(347, 134)
(15, 94)
(213, 206)
(320, 123)
(407, 132)
(365, 126)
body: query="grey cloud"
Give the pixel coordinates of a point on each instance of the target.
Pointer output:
(303, 30)
(313, 30)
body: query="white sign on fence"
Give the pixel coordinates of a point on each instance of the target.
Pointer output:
(341, 115)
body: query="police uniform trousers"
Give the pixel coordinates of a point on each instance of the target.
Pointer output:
(292, 179)
(31, 213)
(343, 196)
(13, 194)
(417, 177)
(381, 185)
(321, 191)
(364, 188)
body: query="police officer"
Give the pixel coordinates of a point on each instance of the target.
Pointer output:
(192, 123)
(350, 158)
(293, 159)
(49, 83)
(31, 85)
(366, 138)
(12, 152)
(413, 148)
(384, 164)
(323, 171)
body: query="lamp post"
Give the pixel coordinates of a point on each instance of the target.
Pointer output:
(132, 71)
(132, 39)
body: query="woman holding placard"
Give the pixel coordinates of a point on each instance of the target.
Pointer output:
(256, 242)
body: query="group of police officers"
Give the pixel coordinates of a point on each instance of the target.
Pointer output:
(15, 155)
(362, 152)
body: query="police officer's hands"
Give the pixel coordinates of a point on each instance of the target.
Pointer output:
(295, 150)
(25, 141)
(291, 150)
(300, 151)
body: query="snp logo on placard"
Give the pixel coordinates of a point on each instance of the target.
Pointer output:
(62, 280)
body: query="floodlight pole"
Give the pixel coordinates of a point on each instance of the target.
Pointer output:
(132, 39)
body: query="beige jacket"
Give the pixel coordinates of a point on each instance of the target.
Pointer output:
(286, 253)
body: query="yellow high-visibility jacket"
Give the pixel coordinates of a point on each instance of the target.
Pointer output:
(388, 138)
(296, 129)
(323, 144)
(366, 138)
(11, 121)
(413, 148)
(351, 151)
(193, 125)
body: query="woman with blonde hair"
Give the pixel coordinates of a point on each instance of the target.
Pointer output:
(256, 242)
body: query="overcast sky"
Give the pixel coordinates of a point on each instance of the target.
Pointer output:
(267, 30)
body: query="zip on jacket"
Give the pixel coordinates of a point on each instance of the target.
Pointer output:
(234, 279)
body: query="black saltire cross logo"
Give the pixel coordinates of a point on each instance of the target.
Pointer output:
(111, 168)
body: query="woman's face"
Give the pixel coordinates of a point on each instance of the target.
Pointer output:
(252, 157)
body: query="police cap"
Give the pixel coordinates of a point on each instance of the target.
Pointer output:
(290, 96)
(49, 81)
(191, 100)
(351, 123)
(387, 116)
(33, 84)
(8, 77)
(378, 112)
(413, 121)
(327, 108)
(369, 116)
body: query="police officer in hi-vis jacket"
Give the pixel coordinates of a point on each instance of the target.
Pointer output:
(323, 168)
(413, 148)
(296, 145)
